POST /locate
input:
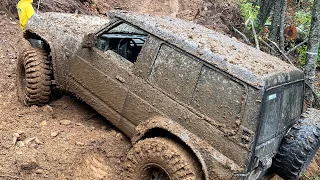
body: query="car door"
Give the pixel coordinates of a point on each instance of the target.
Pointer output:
(102, 75)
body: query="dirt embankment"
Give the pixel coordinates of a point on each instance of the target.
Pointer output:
(211, 13)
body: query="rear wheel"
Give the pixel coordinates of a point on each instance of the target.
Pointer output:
(161, 159)
(34, 74)
(297, 149)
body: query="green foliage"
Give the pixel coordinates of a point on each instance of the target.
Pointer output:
(302, 51)
(302, 59)
(303, 19)
(248, 10)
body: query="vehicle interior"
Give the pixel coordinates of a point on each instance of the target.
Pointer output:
(125, 40)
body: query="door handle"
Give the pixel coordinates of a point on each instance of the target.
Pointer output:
(120, 79)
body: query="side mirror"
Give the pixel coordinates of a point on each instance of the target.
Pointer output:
(88, 41)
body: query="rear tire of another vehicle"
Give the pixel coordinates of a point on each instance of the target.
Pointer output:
(34, 74)
(297, 149)
(163, 159)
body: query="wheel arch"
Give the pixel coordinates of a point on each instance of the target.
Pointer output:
(163, 127)
(49, 47)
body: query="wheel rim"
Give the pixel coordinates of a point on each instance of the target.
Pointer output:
(154, 172)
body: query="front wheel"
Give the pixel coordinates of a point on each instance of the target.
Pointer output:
(33, 76)
(161, 159)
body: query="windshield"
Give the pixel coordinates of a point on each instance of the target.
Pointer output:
(282, 106)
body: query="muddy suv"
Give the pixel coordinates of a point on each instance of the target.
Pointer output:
(196, 104)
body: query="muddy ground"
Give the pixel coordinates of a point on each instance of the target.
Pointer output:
(67, 139)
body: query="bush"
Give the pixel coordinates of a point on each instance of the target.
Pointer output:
(248, 10)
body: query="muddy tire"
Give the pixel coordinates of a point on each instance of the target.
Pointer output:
(33, 76)
(161, 159)
(297, 149)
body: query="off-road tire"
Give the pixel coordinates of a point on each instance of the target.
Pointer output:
(297, 149)
(170, 156)
(34, 74)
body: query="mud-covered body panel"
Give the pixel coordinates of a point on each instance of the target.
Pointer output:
(63, 32)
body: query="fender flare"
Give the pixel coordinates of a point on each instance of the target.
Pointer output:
(49, 43)
(173, 128)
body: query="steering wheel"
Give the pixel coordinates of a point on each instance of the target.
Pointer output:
(126, 50)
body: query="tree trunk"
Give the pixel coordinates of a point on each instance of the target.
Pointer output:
(264, 12)
(281, 30)
(276, 21)
(276, 24)
(313, 46)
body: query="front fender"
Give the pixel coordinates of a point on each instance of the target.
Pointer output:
(63, 32)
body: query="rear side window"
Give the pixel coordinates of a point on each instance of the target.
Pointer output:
(218, 96)
(175, 73)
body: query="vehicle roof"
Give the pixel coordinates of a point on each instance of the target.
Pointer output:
(248, 64)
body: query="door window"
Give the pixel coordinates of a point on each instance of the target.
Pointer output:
(124, 39)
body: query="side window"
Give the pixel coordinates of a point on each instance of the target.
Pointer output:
(124, 39)
(218, 96)
(175, 73)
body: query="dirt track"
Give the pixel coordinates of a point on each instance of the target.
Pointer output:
(67, 139)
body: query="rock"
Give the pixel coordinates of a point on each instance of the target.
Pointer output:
(79, 124)
(43, 123)
(29, 165)
(80, 143)
(113, 133)
(65, 122)
(238, 122)
(15, 138)
(37, 141)
(20, 144)
(39, 171)
(22, 136)
(48, 109)
(54, 134)
(119, 135)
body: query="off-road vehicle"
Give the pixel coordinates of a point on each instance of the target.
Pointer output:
(196, 104)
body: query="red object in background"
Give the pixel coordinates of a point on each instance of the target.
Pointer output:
(291, 33)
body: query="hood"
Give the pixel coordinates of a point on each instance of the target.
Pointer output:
(75, 25)
(64, 29)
